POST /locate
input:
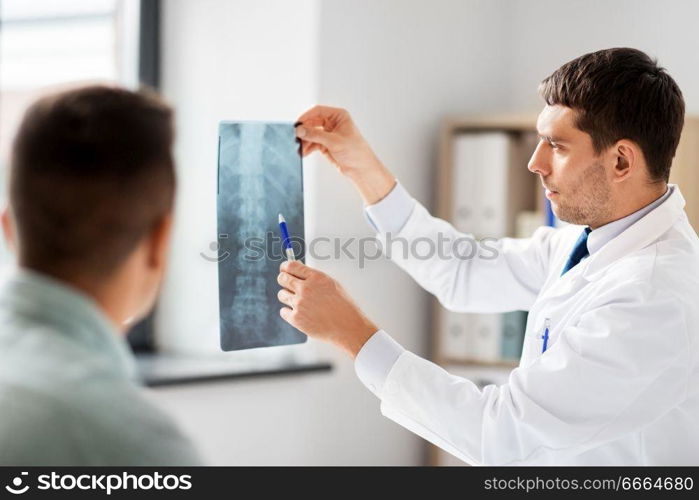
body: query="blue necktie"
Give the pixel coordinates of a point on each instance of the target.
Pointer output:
(579, 251)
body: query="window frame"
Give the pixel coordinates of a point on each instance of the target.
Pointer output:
(141, 337)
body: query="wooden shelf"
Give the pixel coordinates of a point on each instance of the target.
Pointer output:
(503, 122)
(685, 171)
(478, 363)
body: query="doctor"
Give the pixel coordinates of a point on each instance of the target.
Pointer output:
(615, 379)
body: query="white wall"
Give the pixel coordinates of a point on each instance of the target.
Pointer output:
(311, 419)
(547, 33)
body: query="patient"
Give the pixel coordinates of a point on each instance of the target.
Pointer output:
(92, 184)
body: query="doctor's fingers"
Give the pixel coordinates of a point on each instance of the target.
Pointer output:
(287, 298)
(330, 140)
(308, 147)
(323, 116)
(297, 268)
(289, 282)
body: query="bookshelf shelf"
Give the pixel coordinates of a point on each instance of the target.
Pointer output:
(479, 363)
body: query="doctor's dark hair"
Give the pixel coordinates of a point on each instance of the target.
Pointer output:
(91, 175)
(621, 93)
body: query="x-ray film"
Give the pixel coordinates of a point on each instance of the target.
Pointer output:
(259, 177)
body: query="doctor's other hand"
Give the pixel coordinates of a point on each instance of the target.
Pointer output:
(319, 307)
(333, 132)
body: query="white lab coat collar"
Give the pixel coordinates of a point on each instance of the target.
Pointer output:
(603, 235)
(640, 234)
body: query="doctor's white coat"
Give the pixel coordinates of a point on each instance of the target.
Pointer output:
(619, 382)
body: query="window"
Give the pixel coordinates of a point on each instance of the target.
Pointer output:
(47, 46)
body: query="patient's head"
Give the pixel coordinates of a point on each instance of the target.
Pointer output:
(92, 184)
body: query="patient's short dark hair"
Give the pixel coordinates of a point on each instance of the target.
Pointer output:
(91, 174)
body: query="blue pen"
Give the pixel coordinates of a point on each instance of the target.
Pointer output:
(286, 241)
(545, 336)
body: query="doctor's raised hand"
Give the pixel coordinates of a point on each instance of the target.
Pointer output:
(333, 132)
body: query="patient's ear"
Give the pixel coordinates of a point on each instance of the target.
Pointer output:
(160, 242)
(8, 228)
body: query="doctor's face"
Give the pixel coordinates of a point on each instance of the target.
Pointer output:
(576, 179)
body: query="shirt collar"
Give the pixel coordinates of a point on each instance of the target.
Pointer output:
(604, 234)
(69, 312)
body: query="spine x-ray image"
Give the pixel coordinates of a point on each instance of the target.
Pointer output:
(259, 177)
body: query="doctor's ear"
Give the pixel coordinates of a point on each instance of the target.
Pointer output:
(628, 159)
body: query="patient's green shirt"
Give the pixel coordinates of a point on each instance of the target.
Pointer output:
(69, 393)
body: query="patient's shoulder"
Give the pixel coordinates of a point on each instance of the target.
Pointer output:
(108, 425)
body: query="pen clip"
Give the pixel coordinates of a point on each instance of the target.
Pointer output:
(545, 335)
